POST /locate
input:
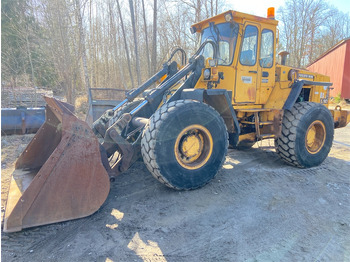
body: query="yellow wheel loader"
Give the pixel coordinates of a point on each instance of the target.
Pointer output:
(231, 92)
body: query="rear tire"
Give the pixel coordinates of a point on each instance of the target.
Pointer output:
(307, 135)
(185, 144)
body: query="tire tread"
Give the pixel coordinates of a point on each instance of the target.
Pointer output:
(148, 142)
(285, 144)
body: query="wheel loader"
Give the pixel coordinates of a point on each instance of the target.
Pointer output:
(181, 121)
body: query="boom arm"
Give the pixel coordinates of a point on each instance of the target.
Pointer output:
(115, 138)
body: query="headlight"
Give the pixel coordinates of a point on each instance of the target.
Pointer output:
(212, 62)
(206, 74)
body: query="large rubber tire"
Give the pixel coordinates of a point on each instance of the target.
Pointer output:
(168, 144)
(307, 135)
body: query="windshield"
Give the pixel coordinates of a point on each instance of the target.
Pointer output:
(225, 36)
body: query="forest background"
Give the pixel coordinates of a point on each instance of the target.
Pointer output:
(69, 46)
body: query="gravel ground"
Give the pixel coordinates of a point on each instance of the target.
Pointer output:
(256, 209)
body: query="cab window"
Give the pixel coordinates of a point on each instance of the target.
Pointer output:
(249, 46)
(266, 49)
(225, 36)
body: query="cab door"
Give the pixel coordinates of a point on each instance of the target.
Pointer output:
(247, 66)
(266, 65)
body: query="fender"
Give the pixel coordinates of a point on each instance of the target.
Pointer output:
(296, 89)
(218, 99)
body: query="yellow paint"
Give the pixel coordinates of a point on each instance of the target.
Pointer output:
(237, 17)
(264, 86)
(341, 117)
(193, 147)
(245, 82)
(249, 89)
(249, 136)
(315, 137)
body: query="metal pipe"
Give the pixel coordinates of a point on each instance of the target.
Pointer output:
(173, 80)
(283, 55)
(136, 109)
(214, 45)
(165, 86)
(120, 104)
(139, 121)
(134, 93)
(21, 120)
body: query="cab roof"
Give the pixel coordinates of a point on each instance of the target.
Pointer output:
(237, 17)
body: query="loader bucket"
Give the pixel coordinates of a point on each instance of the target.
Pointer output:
(59, 176)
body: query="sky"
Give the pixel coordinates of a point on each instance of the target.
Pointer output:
(259, 7)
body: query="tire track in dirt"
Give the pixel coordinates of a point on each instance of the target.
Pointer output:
(306, 233)
(260, 209)
(44, 238)
(32, 240)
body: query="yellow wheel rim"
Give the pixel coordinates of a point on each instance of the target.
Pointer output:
(193, 147)
(315, 137)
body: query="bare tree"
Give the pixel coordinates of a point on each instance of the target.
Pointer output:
(336, 27)
(94, 47)
(78, 7)
(56, 16)
(146, 39)
(154, 46)
(115, 44)
(137, 58)
(299, 31)
(125, 44)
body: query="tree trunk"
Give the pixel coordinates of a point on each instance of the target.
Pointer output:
(115, 45)
(30, 58)
(154, 46)
(137, 57)
(125, 44)
(146, 39)
(82, 45)
(198, 11)
(88, 119)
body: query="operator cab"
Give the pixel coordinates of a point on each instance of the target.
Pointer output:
(245, 54)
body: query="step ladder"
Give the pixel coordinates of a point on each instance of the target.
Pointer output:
(257, 123)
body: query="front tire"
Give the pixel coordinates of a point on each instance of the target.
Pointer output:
(185, 144)
(307, 135)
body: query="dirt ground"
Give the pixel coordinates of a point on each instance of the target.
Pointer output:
(256, 209)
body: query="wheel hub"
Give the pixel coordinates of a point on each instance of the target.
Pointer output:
(315, 137)
(193, 147)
